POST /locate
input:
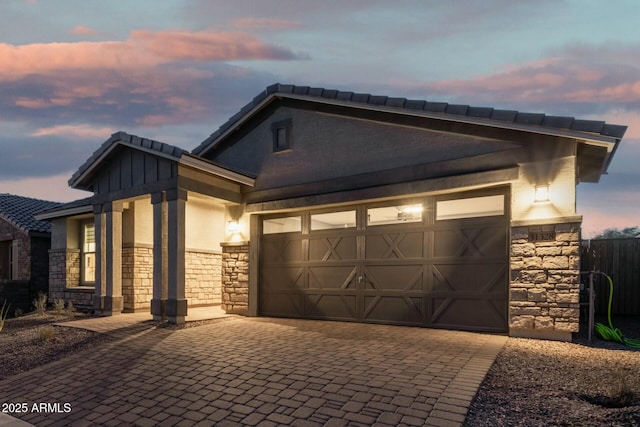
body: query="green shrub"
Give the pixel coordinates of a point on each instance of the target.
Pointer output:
(40, 304)
(46, 332)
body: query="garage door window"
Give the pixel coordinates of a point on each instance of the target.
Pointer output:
(331, 220)
(472, 207)
(289, 224)
(394, 214)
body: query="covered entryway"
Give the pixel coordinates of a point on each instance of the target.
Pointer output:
(439, 261)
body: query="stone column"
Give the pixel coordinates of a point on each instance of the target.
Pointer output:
(545, 282)
(101, 280)
(176, 221)
(113, 301)
(235, 277)
(160, 257)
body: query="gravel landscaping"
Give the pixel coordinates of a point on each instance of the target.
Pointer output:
(546, 383)
(532, 383)
(24, 344)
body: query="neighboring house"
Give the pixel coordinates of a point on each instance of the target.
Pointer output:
(316, 203)
(24, 247)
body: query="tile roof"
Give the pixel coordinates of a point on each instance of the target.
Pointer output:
(20, 211)
(402, 104)
(133, 141)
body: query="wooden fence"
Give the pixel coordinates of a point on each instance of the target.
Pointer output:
(620, 259)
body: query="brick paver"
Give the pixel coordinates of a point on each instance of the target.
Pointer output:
(262, 371)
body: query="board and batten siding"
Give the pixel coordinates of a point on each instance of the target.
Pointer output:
(131, 170)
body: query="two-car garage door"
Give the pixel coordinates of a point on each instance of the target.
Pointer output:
(431, 261)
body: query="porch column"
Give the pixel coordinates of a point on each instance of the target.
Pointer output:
(160, 257)
(100, 280)
(113, 301)
(176, 301)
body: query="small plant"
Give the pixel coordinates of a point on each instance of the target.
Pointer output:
(3, 314)
(621, 393)
(18, 312)
(46, 332)
(58, 305)
(40, 304)
(71, 310)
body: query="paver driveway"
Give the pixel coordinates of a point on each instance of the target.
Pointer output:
(266, 372)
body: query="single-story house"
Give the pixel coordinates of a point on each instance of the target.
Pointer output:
(324, 204)
(24, 250)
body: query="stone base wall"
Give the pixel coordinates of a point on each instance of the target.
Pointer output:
(137, 278)
(64, 278)
(203, 277)
(545, 281)
(235, 278)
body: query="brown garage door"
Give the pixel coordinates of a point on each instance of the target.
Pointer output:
(437, 262)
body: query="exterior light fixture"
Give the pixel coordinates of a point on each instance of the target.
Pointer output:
(541, 193)
(233, 227)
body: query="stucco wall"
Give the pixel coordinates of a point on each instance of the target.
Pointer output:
(560, 174)
(205, 226)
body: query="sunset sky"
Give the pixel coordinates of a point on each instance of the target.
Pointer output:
(72, 72)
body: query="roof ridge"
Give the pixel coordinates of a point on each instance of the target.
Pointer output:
(446, 109)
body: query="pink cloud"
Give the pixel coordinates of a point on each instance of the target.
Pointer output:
(575, 75)
(207, 46)
(143, 49)
(31, 102)
(82, 131)
(81, 30)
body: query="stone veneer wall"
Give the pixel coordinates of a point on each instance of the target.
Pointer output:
(545, 283)
(203, 271)
(64, 276)
(137, 277)
(235, 278)
(203, 277)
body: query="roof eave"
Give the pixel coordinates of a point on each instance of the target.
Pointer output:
(205, 166)
(589, 138)
(76, 210)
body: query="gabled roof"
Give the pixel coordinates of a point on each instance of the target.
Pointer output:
(20, 211)
(598, 132)
(124, 139)
(161, 149)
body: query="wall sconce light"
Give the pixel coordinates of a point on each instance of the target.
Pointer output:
(541, 193)
(233, 227)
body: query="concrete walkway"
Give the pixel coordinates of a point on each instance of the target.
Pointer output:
(260, 372)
